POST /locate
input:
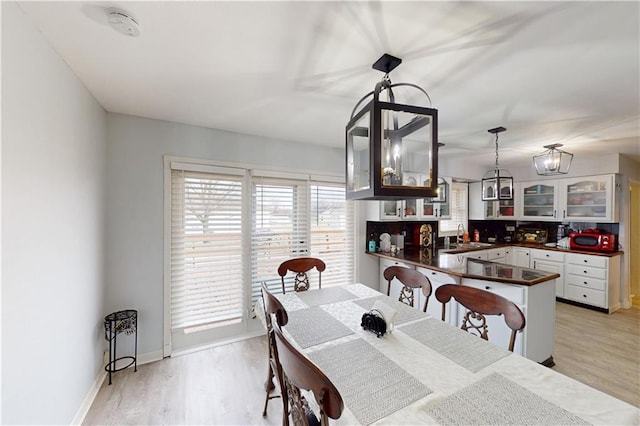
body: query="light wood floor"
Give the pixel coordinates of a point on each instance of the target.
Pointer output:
(224, 385)
(600, 350)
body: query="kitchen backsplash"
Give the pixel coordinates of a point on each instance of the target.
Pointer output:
(505, 230)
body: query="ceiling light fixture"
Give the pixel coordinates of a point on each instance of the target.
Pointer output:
(553, 161)
(497, 184)
(391, 148)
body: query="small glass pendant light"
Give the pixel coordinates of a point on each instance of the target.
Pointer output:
(497, 184)
(553, 161)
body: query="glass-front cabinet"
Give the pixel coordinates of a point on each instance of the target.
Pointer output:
(420, 209)
(589, 199)
(438, 207)
(538, 200)
(489, 210)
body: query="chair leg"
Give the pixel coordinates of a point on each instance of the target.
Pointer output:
(268, 387)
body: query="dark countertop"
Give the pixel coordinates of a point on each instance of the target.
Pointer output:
(536, 246)
(464, 267)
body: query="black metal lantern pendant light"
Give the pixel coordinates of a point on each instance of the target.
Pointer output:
(497, 184)
(391, 148)
(553, 161)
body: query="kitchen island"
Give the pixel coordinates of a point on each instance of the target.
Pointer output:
(532, 290)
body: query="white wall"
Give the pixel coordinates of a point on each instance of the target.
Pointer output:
(53, 180)
(136, 147)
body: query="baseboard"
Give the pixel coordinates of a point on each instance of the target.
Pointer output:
(88, 399)
(100, 378)
(249, 335)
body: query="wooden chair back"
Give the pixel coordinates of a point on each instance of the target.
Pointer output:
(301, 265)
(273, 308)
(299, 372)
(480, 303)
(410, 279)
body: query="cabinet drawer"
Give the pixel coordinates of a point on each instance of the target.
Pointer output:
(495, 254)
(436, 277)
(554, 256)
(587, 282)
(585, 295)
(587, 271)
(585, 259)
(479, 254)
(510, 292)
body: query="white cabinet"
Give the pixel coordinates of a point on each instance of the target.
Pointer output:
(498, 255)
(584, 199)
(538, 200)
(520, 257)
(537, 303)
(434, 308)
(420, 209)
(550, 261)
(508, 255)
(391, 210)
(593, 280)
(476, 254)
(499, 333)
(589, 199)
(488, 210)
(396, 286)
(440, 206)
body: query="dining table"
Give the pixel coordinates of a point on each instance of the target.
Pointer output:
(426, 371)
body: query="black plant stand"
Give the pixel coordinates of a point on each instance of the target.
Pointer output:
(114, 324)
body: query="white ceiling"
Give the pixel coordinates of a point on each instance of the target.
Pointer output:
(550, 72)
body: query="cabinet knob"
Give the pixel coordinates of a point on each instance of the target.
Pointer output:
(487, 287)
(585, 283)
(584, 295)
(547, 255)
(585, 272)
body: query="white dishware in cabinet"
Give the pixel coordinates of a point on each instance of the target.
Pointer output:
(589, 199)
(538, 200)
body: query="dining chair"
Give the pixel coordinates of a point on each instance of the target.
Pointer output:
(298, 372)
(301, 265)
(273, 309)
(410, 279)
(480, 303)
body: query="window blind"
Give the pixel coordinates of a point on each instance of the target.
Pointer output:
(206, 249)
(459, 201)
(332, 233)
(280, 228)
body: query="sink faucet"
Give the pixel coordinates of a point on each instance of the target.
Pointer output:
(459, 233)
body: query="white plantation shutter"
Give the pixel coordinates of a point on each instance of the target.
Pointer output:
(206, 249)
(459, 200)
(280, 228)
(332, 234)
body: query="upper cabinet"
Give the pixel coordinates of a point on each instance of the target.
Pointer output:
(420, 209)
(589, 199)
(584, 199)
(440, 206)
(489, 210)
(538, 200)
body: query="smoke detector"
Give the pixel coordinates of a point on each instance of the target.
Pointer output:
(123, 23)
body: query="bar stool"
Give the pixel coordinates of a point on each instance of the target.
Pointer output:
(116, 323)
